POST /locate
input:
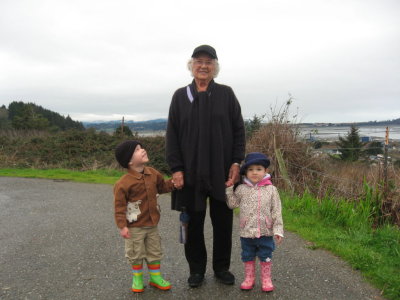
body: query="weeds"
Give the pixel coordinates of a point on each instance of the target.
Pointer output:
(297, 169)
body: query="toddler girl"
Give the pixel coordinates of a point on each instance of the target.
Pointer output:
(260, 218)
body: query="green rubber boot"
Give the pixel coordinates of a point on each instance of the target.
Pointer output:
(137, 278)
(156, 278)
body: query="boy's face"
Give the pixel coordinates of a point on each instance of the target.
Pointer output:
(255, 173)
(139, 157)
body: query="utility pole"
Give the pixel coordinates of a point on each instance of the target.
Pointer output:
(122, 126)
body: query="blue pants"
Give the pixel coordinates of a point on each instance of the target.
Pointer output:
(261, 247)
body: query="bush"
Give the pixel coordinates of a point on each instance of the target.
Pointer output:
(73, 149)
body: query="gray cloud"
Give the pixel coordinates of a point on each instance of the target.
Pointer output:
(93, 59)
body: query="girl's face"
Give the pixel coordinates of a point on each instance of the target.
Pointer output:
(256, 173)
(139, 157)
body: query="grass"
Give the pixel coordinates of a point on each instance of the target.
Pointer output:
(341, 227)
(346, 230)
(95, 176)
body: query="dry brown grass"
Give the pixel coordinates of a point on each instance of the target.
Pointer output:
(300, 169)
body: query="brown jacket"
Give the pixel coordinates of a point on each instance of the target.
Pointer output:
(135, 186)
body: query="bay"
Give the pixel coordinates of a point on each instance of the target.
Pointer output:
(334, 132)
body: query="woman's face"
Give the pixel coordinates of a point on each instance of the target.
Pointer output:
(203, 67)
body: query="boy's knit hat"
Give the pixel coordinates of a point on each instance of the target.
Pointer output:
(254, 158)
(124, 151)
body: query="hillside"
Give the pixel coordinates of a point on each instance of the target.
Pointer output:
(20, 115)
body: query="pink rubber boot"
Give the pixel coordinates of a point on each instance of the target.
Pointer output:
(266, 281)
(249, 279)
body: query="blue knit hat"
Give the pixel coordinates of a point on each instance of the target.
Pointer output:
(254, 158)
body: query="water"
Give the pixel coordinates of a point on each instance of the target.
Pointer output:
(333, 132)
(328, 133)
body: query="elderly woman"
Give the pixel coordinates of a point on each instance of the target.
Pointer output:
(205, 145)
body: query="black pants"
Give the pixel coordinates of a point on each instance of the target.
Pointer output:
(195, 248)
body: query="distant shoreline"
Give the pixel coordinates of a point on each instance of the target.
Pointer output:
(323, 133)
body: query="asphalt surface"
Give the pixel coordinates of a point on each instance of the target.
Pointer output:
(58, 240)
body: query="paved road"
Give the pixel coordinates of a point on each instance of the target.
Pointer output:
(58, 241)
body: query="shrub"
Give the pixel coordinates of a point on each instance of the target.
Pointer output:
(73, 149)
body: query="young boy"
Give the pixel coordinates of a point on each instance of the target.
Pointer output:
(137, 213)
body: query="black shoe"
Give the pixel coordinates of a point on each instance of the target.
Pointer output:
(195, 280)
(225, 277)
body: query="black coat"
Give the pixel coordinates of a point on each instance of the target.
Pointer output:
(204, 138)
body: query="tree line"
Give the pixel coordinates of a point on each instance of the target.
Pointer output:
(20, 115)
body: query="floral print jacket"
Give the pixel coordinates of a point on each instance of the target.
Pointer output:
(260, 208)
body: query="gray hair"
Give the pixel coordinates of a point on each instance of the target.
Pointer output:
(190, 67)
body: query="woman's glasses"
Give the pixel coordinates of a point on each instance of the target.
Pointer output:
(200, 62)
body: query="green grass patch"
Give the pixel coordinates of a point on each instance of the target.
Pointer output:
(345, 229)
(96, 176)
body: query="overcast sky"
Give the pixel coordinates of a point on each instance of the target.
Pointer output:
(100, 60)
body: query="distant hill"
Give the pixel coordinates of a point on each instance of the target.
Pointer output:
(161, 124)
(20, 115)
(150, 125)
(379, 123)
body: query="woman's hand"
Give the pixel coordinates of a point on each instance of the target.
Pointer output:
(234, 175)
(124, 232)
(177, 179)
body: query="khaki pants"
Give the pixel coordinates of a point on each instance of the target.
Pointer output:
(145, 243)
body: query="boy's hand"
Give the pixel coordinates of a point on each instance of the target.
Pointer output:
(124, 232)
(278, 239)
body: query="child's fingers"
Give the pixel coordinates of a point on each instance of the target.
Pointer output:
(125, 233)
(278, 239)
(229, 183)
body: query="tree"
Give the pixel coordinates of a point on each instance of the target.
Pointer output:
(13, 109)
(27, 118)
(4, 122)
(127, 131)
(253, 125)
(350, 146)
(31, 116)
(317, 144)
(374, 148)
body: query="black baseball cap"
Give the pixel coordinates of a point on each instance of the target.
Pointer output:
(205, 49)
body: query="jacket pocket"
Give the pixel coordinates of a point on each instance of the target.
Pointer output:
(268, 222)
